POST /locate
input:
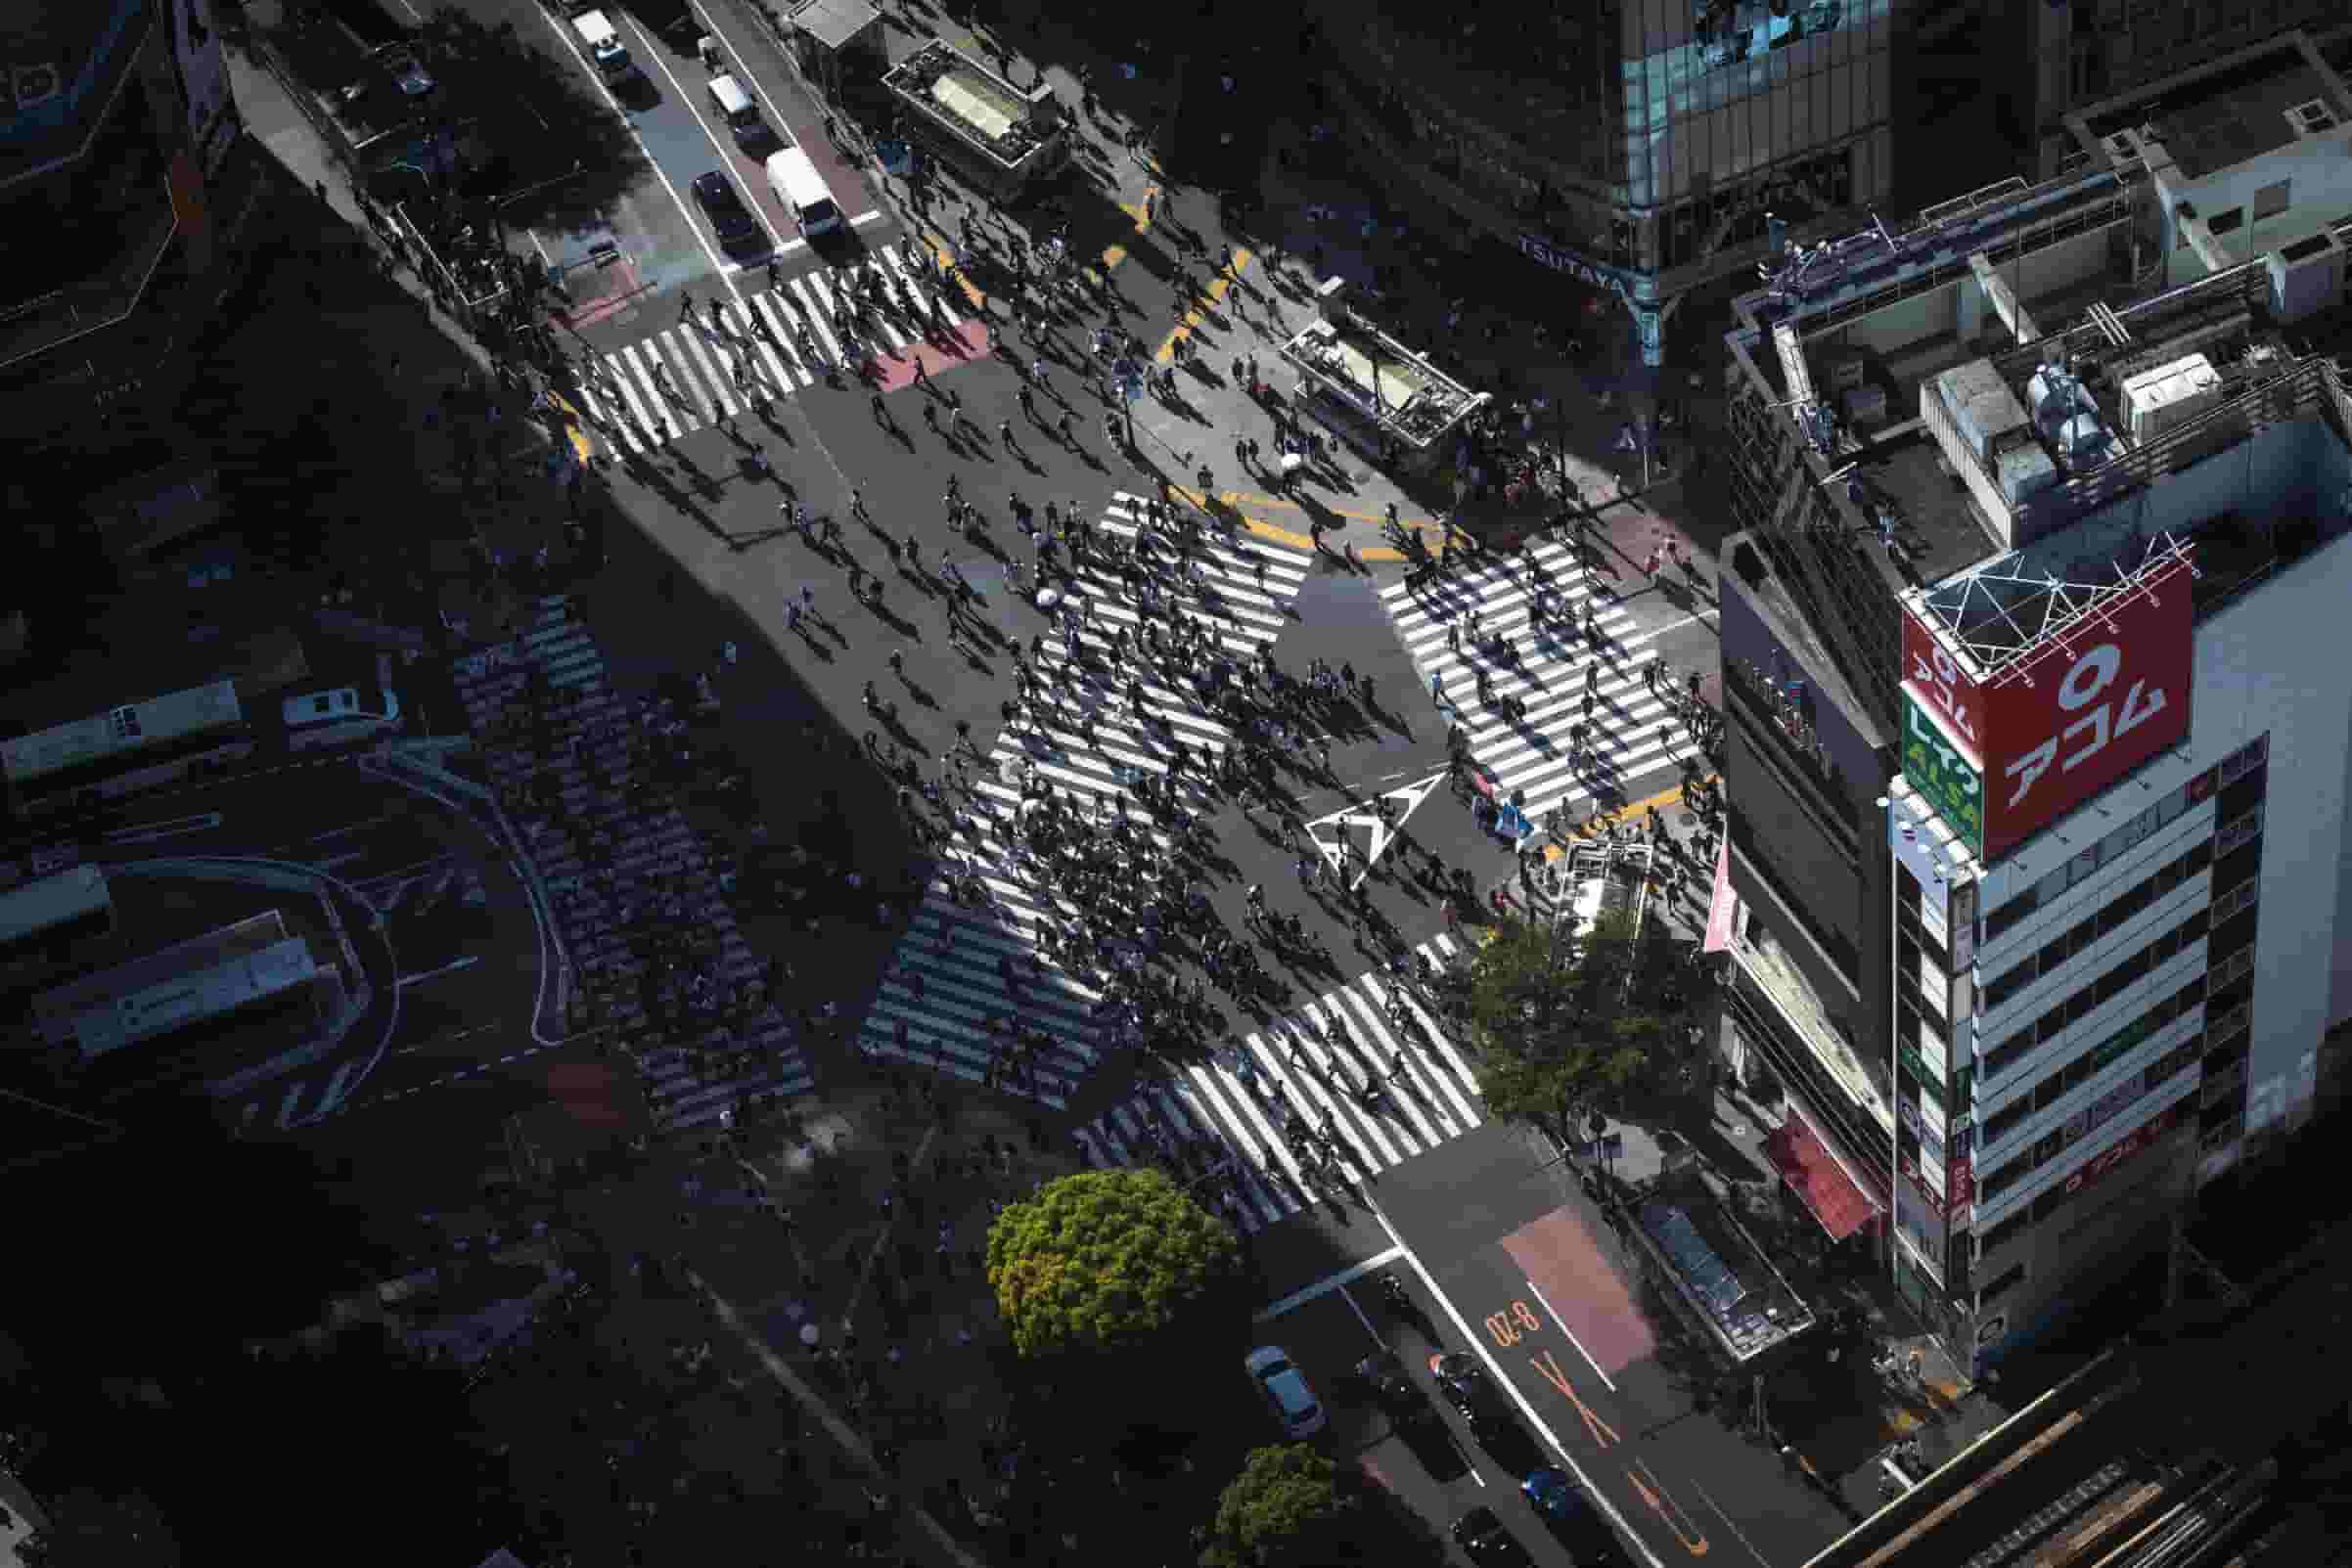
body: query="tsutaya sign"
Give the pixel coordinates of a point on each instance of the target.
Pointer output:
(2053, 728)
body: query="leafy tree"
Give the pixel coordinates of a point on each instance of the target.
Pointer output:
(1106, 1262)
(1556, 1019)
(1293, 1507)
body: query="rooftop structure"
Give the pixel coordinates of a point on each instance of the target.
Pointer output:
(2124, 1465)
(1369, 388)
(1723, 1277)
(2241, 107)
(1018, 134)
(221, 972)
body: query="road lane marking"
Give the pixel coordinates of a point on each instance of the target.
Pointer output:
(1518, 1397)
(1331, 1282)
(1561, 1323)
(1762, 1560)
(467, 962)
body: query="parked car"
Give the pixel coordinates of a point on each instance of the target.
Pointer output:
(1480, 1535)
(1285, 1389)
(408, 73)
(730, 219)
(344, 704)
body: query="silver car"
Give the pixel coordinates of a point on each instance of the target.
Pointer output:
(1285, 1389)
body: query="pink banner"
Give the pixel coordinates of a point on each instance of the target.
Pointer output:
(1724, 904)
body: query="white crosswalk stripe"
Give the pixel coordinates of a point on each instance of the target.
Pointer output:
(1220, 1127)
(683, 377)
(652, 854)
(962, 966)
(1629, 733)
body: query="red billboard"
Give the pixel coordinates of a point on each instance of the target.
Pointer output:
(1932, 676)
(2087, 707)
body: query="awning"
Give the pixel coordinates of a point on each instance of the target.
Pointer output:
(1819, 1181)
(1724, 906)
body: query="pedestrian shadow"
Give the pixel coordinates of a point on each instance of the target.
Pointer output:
(757, 537)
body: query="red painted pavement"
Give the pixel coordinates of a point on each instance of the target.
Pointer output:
(1558, 1253)
(969, 343)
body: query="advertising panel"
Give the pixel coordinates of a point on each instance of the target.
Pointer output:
(203, 74)
(2087, 709)
(1931, 675)
(1964, 927)
(1945, 775)
(1962, 1190)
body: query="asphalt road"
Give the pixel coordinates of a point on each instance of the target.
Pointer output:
(417, 887)
(1525, 1271)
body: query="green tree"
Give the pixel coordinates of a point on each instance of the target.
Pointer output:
(1106, 1262)
(1557, 1018)
(1288, 1506)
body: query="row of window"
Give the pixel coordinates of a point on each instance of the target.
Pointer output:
(2081, 1004)
(2091, 1064)
(2159, 815)
(2105, 921)
(2080, 1125)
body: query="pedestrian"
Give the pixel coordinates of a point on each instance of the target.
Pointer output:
(921, 378)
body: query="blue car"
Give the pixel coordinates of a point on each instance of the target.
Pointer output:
(1555, 1493)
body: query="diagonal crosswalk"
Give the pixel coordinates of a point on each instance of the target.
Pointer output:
(625, 858)
(1220, 1127)
(689, 376)
(1629, 734)
(974, 964)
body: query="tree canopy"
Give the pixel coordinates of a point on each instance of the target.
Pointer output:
(1293, 1507)
(1556, 1019)
(1106, 1261)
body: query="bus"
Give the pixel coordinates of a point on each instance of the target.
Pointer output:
(44, 922)
(140, 745)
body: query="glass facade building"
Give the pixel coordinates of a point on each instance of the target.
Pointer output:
(1645, 146)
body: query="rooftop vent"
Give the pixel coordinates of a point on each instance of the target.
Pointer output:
(2311, 119)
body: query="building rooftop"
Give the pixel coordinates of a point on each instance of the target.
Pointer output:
(1380, 377)
(2234, 111)
(68, 57)
(981, 105)
(1724, 1277)
(1901, 486)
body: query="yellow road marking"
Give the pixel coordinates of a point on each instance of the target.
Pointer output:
(1662, 798)
(1193, 318)
(941, 253)
(582, 445)
(1378, 554)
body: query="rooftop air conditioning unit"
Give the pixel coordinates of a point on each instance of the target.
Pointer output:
(2311, 119)
(2307, 276)
(2124, 146)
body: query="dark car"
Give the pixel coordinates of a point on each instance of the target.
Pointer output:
(1474, 1395)
(723, 206)
(1554, 1495)
(1480, 1533)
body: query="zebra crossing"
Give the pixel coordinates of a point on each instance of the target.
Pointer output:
(1625, 737)
(961, 966)
(1219, 1127)
(689, 376)
(650, 851)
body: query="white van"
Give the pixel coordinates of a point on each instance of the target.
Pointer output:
(802, 192)
(735, 107)
(603, 45)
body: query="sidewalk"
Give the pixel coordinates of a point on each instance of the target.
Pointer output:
(470, 440)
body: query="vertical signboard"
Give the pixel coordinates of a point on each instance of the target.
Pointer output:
(2089, 707)
(1946, 777)
(203, 73)
(1964, 926)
